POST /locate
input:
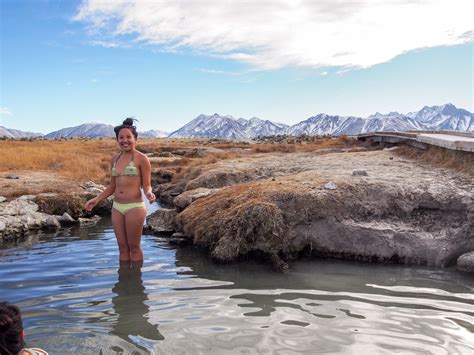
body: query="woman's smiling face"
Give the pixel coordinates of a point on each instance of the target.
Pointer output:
(126, 139)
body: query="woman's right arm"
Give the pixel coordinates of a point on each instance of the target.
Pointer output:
(109, 190)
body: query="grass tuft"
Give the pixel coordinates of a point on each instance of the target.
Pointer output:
(437, 156)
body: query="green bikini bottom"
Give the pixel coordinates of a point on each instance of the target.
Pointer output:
(125, 207)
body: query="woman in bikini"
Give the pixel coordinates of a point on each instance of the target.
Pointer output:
(131, 170)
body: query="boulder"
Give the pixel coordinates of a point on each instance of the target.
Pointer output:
(52, 223)
(187, 197)
(330, 186)
(65, 219)
(359, 172)
(163, 220)
(87, 222)
(466, 262)
(20, 206)
(11, 228)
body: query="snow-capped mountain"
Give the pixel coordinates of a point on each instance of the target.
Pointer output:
(447, 117)
(217, 126)
(386, 115)
(391, 124)
(256, 127)
(317, 125)
(153, 133)
(14, 133)
(444, 117)
(214, 126)
(98, 130)
(86, 130)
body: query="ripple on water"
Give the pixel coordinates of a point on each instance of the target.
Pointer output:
(77, 300)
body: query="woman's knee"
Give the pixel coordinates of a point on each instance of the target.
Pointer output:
(135, 248)
(123, 246)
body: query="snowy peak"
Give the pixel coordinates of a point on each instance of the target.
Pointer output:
(153, 133)
(98, 130)
(444, 117)
(86, 130)
(387, 115)
(14, 133)
(320, 124)
(447, 117)
(217, 126)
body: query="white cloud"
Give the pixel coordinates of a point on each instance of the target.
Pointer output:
(271, 34)
(105, 44)
(5, 111)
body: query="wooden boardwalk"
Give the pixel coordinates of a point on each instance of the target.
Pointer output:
(423, 139)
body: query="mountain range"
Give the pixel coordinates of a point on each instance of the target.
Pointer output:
(433, 118)
(86, 130)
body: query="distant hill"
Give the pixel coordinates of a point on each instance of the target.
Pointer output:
(14, 133)
(86, 130)
(98, 130)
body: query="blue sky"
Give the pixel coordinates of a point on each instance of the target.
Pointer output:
(64, 63)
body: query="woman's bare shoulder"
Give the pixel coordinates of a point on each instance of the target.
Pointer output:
(114, 157)
(141, 156)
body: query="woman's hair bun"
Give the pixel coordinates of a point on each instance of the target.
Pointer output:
(128, 121)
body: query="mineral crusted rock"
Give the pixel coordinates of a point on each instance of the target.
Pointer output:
(87, 222)
(466, 262)
(330, 186)
(163, 220)
(359, 172)
(52, 223)
(187, 197)
(65, 219)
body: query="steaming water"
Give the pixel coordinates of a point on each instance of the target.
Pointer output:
(77, 299)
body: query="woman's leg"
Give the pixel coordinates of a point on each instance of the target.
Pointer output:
(134, 226)
(118, 221)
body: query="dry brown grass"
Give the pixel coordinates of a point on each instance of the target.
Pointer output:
(239, 219)
(446, 158)
(89, 159)
(310, 146)
(80, 159)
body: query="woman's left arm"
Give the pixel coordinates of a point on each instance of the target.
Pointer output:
(145, 167)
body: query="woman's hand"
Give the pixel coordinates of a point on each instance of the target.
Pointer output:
(91, 204)
(150, 196)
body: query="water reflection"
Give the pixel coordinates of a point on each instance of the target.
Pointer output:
(130, 306)
(76, 299)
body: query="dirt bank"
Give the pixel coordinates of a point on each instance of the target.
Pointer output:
(394, 209)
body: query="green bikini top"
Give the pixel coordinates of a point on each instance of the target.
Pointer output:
(130, 168)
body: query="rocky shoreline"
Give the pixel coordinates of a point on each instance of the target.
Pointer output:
(48, 211)
(371, 205)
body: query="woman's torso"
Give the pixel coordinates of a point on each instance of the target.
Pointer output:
(126, 172)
